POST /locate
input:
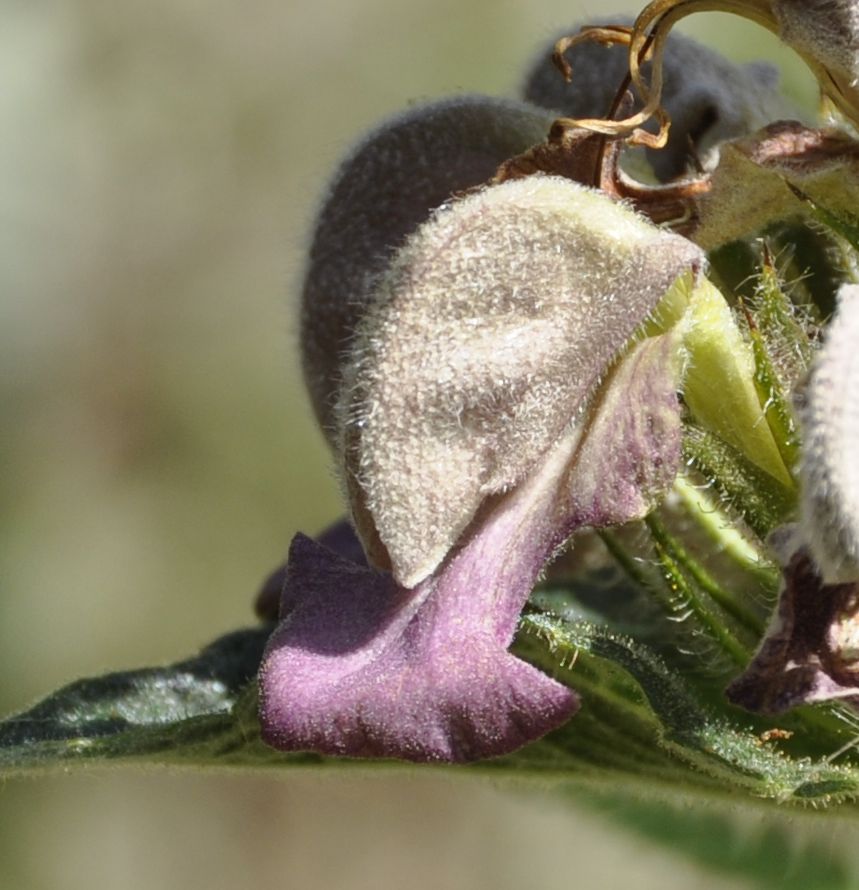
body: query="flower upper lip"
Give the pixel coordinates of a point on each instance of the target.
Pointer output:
(454, 413)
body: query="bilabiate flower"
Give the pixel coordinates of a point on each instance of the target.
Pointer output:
(494, 335)
(495, 391)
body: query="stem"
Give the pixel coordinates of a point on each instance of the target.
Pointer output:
(667, 597)
(762, 501)
(705, 581)
(723, 532)
(678, 582)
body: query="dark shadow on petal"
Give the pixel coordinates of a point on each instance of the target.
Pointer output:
(339, 537)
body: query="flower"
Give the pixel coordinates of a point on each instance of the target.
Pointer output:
(494, 341)
(810, 653)
(496, 394)
(829, 509)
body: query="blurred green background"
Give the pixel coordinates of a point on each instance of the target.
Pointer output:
(159, 168)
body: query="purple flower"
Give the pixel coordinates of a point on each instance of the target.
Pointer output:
(494, 393)
(829, 522)
(363, 666)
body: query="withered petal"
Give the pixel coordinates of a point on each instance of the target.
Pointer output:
(803, 658)
(708, 98)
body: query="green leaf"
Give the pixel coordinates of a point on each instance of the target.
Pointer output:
(785, 327)
(643, 722)
(788, 851)
(658, 727)
(645, 727)
(775, 403)
(844, 224)
(185, 712)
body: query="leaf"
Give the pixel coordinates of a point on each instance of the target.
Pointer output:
(664, 733)
(756, 182)
(785, 850)
(641, 723)
(844, 224)
(181, 712)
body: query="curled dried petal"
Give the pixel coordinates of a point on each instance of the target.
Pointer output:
(708, 98)
(824, 32)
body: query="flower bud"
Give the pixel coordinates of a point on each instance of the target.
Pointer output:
(382, 192)
(829, 516)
